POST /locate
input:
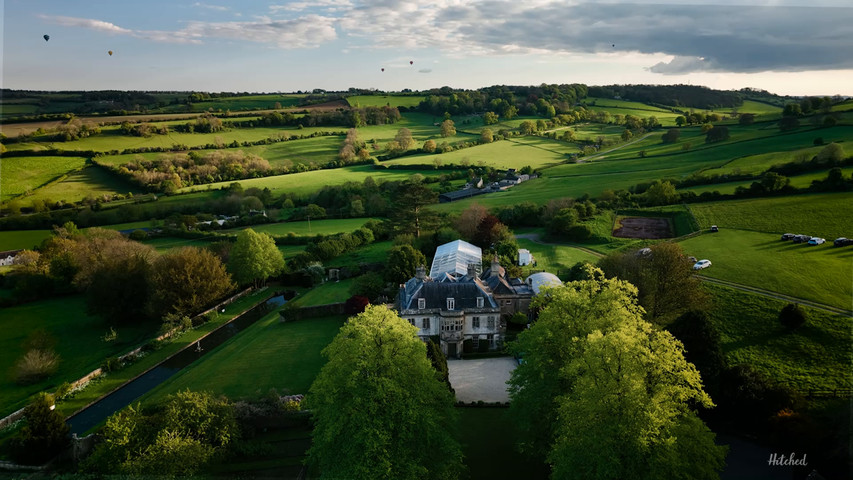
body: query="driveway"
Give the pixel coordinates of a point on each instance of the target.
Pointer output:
(482, 379)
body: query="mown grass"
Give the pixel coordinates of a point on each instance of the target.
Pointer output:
(90, 182)
(24, 174)
(488, 437)
(534, 151)
(114, 380)
(820, 273)
(268, 354)
(828, 215)
(759, 108)
(22, 239)
(79, 343)
(554, 259)
(328, 292)
(308, 182)
(815, 356)
(374, 253)
(382, 100)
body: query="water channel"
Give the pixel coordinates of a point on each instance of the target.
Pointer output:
(129, 392)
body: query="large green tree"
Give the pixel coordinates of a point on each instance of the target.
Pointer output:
(186, 280)
(254, 258)
(44, 434)
(409, 214)
(603, 394)
(380, 409)
(402, 262)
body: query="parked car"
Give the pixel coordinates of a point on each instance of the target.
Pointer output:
(788, 236)
(714, 228)
(702, 264)
(816, 241)
(801, 238)
(691, 259)
(842, 242)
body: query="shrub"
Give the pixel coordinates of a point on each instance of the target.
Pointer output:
(138, 235)
(62, 391)
(36, 365)
(519, 318)
(111, 364)
(44, 435)
(792, 316)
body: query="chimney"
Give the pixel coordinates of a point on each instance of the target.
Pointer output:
(472, 270)
(420, 272)
(496, 267)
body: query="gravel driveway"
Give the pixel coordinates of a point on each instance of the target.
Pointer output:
(483, 379)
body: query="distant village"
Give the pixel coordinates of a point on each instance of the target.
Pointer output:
(476, 187)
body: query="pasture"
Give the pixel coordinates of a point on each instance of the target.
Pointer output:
(21, 239)
(382, 100)
(534, 151)
(374, 253)
(797, 181)
(78, 337)
(829, 215)
(326, 293)
(89, 182)
(819, 273)
(19, 175)
(314, 227)
(308, 182)
(554, 258)
(815, 356)
(762, 161)
(268, 354)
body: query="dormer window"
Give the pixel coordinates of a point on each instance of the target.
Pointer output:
(480, 302)
(451, 303)
(421, 303)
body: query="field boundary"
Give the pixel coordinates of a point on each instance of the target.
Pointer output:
(778, 296)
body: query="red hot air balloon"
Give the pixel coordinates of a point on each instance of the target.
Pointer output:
(383, 69)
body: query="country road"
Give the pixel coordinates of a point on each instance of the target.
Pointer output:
(536, 238)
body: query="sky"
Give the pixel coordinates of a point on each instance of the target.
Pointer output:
(786, 47)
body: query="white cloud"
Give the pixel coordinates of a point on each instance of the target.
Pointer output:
(302, 32)
(218, 8)
(91, 24)
(327, 5)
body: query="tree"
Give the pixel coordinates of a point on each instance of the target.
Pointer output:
(701, 340)
(832, 153)
(119, 289)
(717, 134)
(409, 214)
(404, 139)
(44, 435)
(621, 382)
(563, 221)
(626, 135)
(402, 262)
(448, 128)
(527, 127)
(746, 118)
(429, 146)
(490, 118)
(486, 136)
(370, 285)
(788, 123)
(468, 221)
(664, 279)
(380, 410)
(792, 316)
(680, 120)
(186, 280)
(254, 258)
(671, 135)
(661, 193)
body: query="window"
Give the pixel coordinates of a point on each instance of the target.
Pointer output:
(421, 303)
(479, 302)
(451, 303)
(508, 302)
(491, 323)
(426, 322)
(412, 321)
(491, 339)
(475, 322)
(451, 325)
(475, 341)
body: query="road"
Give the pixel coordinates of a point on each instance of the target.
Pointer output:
(536, 238)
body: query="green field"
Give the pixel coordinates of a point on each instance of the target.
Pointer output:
(268, 354)
(328, 292)
(79, 343)
(382, 100)
(797, 181)
(614, 103)
(308, 182)
(759, 108)
(820, 273)
(22, 239)
(315, 227)
(534, 151)
(829, 215)
(24, 174)
(89, 182)
(374, 253)
(815, 356)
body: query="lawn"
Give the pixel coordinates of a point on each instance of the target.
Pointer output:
(268, 354)
(554, 258)
(314, 227)
(91, 182)
(24, 174)
(329, 292)
(534, 151)
(374, 253)
(815, 356)
(79, 343)
(819, 273)
(308, 182)
(488, 436)
(22, 239)
(382, 100)
(829, 215)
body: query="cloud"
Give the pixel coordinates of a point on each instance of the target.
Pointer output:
(425, 70)
(88, 23)
(218, 8)
(327, 5)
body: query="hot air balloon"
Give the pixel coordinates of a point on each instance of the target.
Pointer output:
(383, 69)
(46, 38)
(411, 62)
(111, 53)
